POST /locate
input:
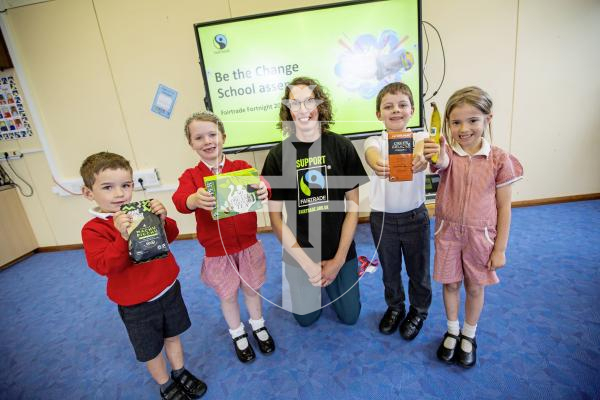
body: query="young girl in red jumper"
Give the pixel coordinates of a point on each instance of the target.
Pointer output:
(234, 258)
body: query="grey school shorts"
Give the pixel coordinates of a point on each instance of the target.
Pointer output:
(148, 324)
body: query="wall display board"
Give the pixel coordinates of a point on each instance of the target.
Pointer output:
(14, 123)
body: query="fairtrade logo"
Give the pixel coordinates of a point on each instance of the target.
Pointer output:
(312, 177)
(220, 41)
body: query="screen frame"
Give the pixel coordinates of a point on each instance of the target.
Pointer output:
(351, 136)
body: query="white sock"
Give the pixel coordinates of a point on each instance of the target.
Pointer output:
(468, 331)
(257, 324)
(242, 343)
(454, 329)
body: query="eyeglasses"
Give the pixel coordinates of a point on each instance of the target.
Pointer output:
(309, 104)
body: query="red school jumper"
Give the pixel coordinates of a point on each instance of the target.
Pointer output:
(225, 236)
(128, 283)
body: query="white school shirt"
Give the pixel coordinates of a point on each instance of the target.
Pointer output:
(395, 197)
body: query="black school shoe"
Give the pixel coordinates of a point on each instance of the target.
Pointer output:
(445, 354)
(193, 387)
(412, 324)
(247, 354)
(390, 321)
(174, 392)
(265, 346)
(464, 359)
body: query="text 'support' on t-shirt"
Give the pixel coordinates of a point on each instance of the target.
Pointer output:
(312, 180)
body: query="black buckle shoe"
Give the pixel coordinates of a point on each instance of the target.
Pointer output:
(265, 346)
(247, 354)
(390, 321)
(464, 359)
(411, 326)
(173, 392)
(193, 387)
(445, 354)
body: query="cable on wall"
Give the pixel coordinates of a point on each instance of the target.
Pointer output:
(435, 92)
(64, 188)
(18, 176)
(425, 63)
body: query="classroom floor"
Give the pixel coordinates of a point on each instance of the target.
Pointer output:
(538, 337)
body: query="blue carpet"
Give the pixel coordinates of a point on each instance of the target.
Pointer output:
(539, 335)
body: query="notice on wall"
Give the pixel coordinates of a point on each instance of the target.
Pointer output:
(164, 100)
(14, 123)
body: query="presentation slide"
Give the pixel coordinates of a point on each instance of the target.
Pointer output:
(353, 50)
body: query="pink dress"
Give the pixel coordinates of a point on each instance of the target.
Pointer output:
(466, 214)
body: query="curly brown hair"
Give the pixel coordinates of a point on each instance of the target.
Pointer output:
(98, 162)
(325, 112)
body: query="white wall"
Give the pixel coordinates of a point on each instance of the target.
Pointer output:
(93, 67)
(555, 121)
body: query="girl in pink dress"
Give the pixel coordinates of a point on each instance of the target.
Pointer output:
(473, 211)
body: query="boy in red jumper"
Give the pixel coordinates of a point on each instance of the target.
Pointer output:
(148, 294)
(234, 258)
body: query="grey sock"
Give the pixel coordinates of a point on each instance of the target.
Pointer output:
(177, 372)
(165, 385)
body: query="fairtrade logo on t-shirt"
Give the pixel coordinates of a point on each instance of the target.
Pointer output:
(312, 186)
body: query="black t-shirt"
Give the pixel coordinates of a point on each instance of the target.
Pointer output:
(312, 180)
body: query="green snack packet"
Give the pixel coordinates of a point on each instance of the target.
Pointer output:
(147, 237)
(234, 191)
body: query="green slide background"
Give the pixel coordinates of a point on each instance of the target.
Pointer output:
(312, 40)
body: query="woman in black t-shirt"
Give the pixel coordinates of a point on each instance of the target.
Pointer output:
(315, 175)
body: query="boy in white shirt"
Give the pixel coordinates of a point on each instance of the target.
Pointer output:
(399, 218)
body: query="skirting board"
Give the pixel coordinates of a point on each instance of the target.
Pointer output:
(16, 260)
(430, 207)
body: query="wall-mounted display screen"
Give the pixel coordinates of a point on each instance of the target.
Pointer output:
(352, 49)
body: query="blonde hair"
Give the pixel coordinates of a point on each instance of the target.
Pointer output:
(207, 116)
(473, 96)
(98, 162)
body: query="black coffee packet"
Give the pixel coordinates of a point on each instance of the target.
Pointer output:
(147, 237)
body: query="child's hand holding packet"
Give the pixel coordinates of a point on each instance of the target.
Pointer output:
(147, 237)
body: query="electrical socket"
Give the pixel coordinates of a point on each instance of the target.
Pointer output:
(12, 154)
(149, 176)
